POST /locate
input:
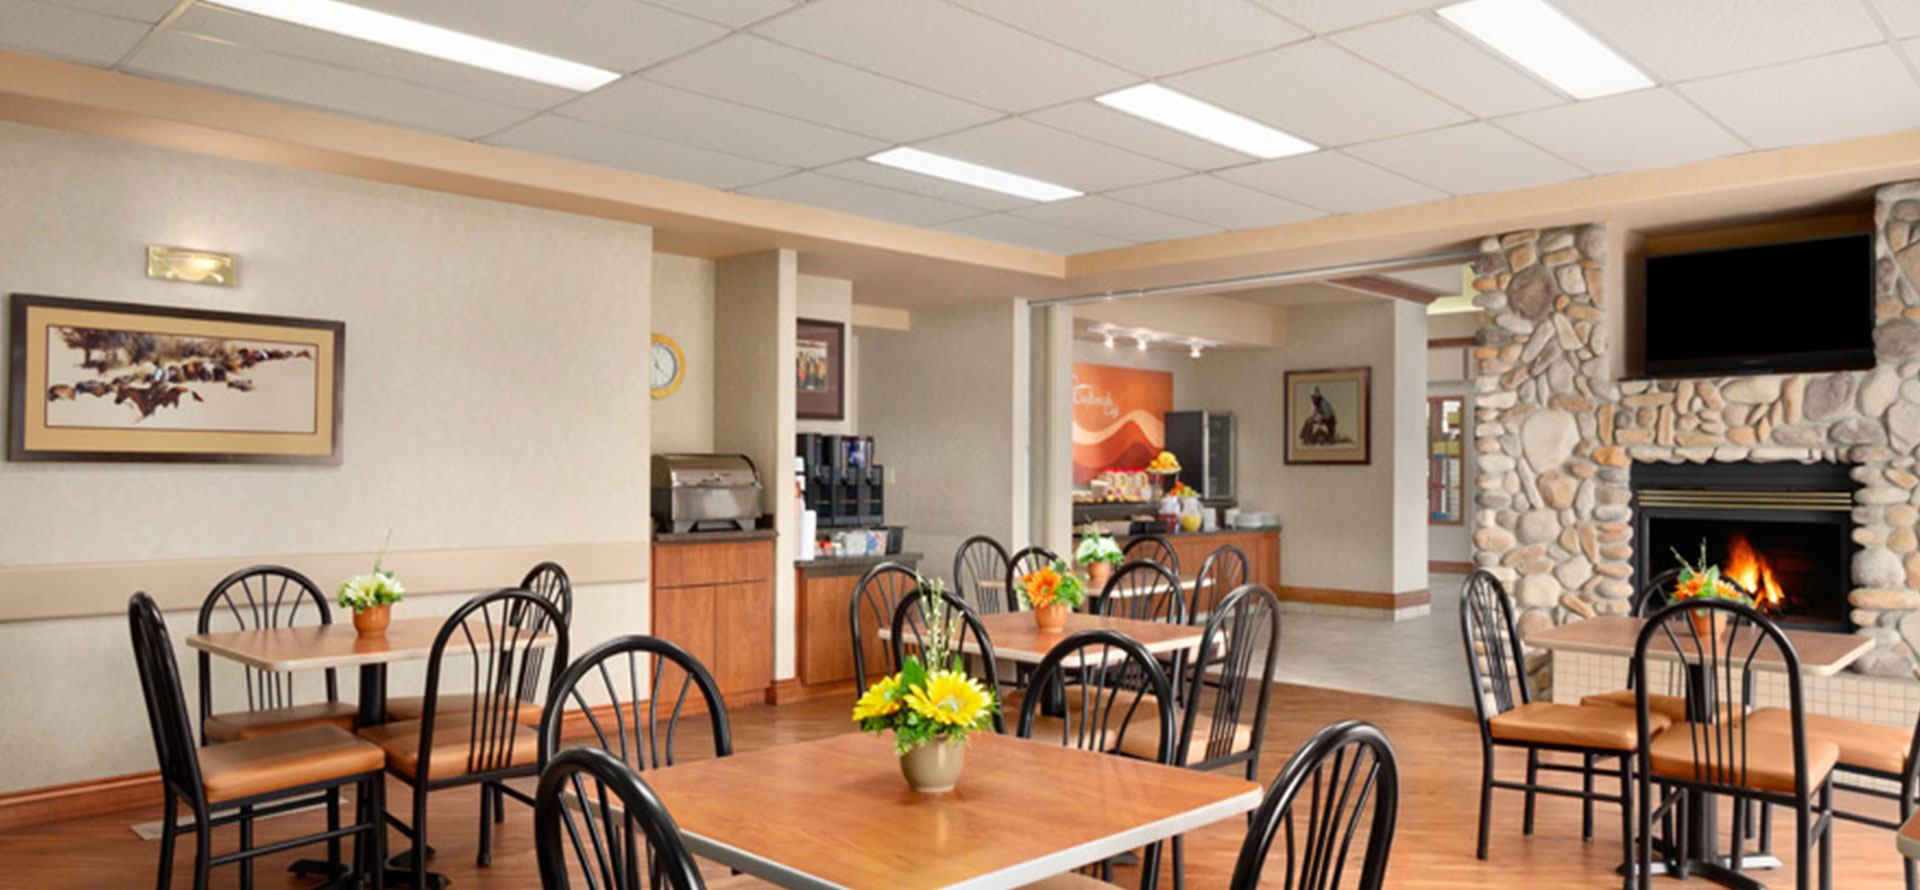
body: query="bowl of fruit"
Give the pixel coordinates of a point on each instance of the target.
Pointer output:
(1164, 463)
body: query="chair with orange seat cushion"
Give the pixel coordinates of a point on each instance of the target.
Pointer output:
(548, 581)
(262, 598)
(1890, 754)
(233, 783)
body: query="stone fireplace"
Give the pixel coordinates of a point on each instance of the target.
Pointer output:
(1575, 467)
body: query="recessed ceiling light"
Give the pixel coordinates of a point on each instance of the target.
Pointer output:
(1543, 40)
(1210, 122)
(428, 40)
(965, 173)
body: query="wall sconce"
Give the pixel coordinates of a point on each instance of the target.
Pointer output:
(196, 266)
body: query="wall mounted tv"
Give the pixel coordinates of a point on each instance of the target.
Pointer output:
(1789, 306)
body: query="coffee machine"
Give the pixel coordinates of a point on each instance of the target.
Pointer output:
(845, 484)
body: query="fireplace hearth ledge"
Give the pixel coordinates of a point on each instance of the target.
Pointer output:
(1555, 435)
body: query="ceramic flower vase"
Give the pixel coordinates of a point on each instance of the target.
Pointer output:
(1098, 573)
(1709, 625)
(373, 620)
(934, 767)
(1051, 619)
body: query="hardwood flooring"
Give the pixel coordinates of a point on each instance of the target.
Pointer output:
(1437, 744)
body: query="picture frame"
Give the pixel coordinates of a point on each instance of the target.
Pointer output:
(820, 366)
(1329, 414)
(94, 380)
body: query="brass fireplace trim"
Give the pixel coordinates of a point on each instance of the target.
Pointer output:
(1830, 501)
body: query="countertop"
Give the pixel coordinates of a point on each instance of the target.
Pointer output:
(1270, 529)
(825, 566)
(714, 537)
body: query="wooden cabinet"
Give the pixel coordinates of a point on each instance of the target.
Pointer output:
(826, 645)
(1261, 547)
(715, 599)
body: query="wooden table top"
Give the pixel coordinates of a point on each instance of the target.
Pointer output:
(1016, 638)
(315, 647)
(1822, 654)
(835, 814)
(1189, 584)
(1909, 838)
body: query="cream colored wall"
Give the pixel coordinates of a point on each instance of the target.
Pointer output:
(682, 308)
(831, 299)
(492, 398)
(1403, 423)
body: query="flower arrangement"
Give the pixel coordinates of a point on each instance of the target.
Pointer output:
(1054, 585)
(1097, 547)
(925, 702)
(1704, 581)
(376, 588)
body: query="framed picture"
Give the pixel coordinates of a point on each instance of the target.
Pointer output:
(820, 365)
(1329, 416)
(93, 380)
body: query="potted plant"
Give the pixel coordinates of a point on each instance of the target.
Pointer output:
(1098, 553)
(1705, 581)
(930, 706)
(1051, 592)
(371, 597)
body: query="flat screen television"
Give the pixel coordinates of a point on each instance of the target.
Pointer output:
(1791, 306)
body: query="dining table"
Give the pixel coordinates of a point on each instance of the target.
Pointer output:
(1821, 654)
(835, 813)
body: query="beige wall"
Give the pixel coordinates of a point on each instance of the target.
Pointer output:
(1159, 358)
(492, 398)
(683, 309)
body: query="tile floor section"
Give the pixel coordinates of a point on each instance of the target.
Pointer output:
(1417, 659)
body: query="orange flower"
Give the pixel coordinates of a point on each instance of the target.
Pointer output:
(1042, 586)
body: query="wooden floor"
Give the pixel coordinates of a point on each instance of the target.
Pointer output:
(1438, 747)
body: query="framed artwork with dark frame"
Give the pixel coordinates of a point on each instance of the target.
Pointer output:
(99, 381)
(820, 367)
(1329, 416)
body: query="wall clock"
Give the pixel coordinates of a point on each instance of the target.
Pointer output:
(668, 366)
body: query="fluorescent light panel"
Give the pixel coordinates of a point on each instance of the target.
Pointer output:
(1182, 112)
(428, 40)
(955, 170)
(1543, 40)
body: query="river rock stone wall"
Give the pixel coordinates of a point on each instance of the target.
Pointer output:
(1557, 436)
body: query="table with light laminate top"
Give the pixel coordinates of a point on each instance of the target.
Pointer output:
(835, 814)
(1015, 636)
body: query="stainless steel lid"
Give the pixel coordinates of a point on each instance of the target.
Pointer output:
(704, 471)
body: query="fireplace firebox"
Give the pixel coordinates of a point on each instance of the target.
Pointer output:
(1784, 531)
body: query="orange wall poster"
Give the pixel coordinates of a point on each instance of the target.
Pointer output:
(1119, 418)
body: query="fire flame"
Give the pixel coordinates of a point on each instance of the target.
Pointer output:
(1746, 566)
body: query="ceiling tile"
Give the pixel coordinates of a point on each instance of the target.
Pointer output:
(1323, 16)
(1320, 93)
(860, 199)
(1333, 182)
(732, 13)
(140, 10)
(284, 78)
(1857, 93)
(1634, 131)
(62, 32)
(1700, 38)
(619, 35)
(1027, 233)
(1459, 70)
(766, 75)
(554, 135)
(947, 49)
(314, 45)
(1029, 149)
(653, 109)
(1148, 37)
(1468, 159)
(1216, 202)
(902, 181)
(1103, 124)
(1901, 16)
(1115, 219)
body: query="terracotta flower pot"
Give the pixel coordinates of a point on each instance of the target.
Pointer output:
(373, 620)
(1051, 619)
(1098, 573)
(934, 767)
(1709, 625)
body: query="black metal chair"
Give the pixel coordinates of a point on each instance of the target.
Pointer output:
(1144, 590)
(1110, 687)
(910, 631)
(1723, 644)
(1889, 754)
(493, 639)
(1154, 548)
(875, 596)
(982, 559)
(631, 692)
(237, 782)
(596, 821)
(549, 582)
(1341, 770)
(1222, 572)
(1022, 564)
(1508, 716)
(259, 598)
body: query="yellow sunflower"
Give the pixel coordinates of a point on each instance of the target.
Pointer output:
(880, 700)
(951, 698)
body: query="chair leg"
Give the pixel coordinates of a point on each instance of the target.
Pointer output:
(169, 816)
(499, 804)
(485, 857)
(1626, 816)
(377, 838)
(246, 843)
(1766, 829)
(1802, 846)
(202, 851)
(419, 835)
(1179, 862)
(1486, 796)
(1826, 835)
(1908, 866)
(333, 824)
(1738, 833)
(1586, 806)
(1533, 778)
(1640, 875)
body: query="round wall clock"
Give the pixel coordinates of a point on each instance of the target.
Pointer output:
(668, 366)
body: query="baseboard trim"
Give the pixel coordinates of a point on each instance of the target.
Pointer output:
(1361, 599)
(77, 800)
(1449, 567)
